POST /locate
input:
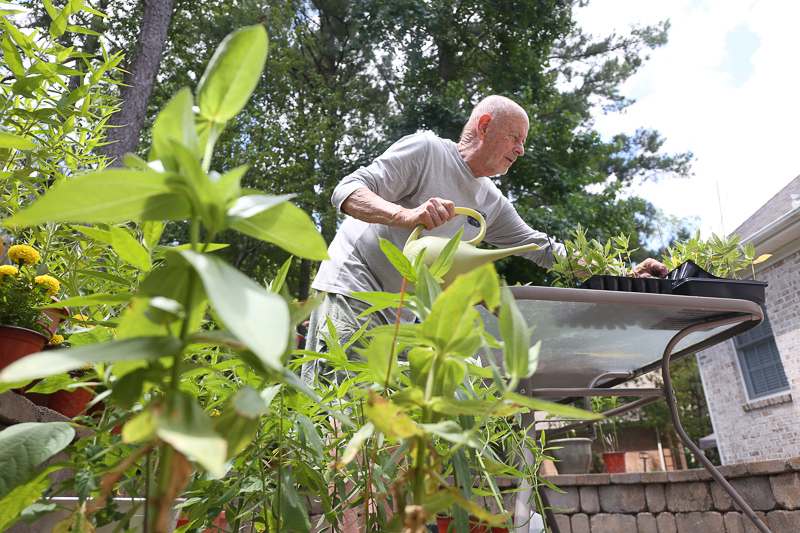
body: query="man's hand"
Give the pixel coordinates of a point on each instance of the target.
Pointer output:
(431, 214)
(650, 268)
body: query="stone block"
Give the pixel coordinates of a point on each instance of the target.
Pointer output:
(580, 523)
(656, 500)
(688, 497)
(590, 501)
(593, 479)
(722, 502)
(756, 492)
(48, 415)
(693, 474)
(734, 470)
(666, 523)
(563, 523)
(627, 478)
(793, 463)
(646, 522)
(23, 527)
(772, 466)
(622, 498)
(15, 409)
(613, 523)
(694, 522)
(567, 480)
(733, 523)
(783, 521)
(786, 490)
(655, 477)
(748, 525)
(568, 501)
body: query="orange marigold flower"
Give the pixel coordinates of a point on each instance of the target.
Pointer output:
(22, 253)
(52, 284)
(8, 270)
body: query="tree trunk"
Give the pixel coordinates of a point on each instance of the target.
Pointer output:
(126, 124)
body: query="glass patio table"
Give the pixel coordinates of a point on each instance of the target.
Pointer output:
(593, 340)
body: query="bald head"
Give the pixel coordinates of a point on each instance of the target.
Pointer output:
(500, 108)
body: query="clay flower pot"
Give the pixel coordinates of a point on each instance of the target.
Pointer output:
(615, 462)
(16, 343)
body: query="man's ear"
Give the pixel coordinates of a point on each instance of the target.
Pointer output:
(483, 126)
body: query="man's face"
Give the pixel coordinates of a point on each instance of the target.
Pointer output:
(503, 143)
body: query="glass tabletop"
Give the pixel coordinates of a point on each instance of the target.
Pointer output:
(586, 333)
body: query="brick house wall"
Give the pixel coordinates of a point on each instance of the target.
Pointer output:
(768, 427)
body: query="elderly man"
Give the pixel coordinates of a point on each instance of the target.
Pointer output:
(420, 180)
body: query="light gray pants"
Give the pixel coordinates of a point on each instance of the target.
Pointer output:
(343, 312)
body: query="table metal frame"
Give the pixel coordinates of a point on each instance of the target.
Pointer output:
(734, 316)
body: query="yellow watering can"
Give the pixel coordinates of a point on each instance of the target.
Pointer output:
(467, 256)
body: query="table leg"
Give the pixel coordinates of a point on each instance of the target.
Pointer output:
(676, 421)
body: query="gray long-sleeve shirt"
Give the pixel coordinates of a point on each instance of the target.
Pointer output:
(413, 170)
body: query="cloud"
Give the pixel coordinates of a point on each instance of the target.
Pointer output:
(724, 87)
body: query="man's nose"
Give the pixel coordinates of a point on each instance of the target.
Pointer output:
(519, 149)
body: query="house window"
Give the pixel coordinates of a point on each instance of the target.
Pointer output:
(760, 361)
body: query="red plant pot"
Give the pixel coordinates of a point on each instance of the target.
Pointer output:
(56, 316)
(615, 462)
(70, 403)
(443, 523)
(16, 343)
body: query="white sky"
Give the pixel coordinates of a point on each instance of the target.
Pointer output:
(726, 87)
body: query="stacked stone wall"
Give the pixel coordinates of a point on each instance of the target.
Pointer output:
(681, 501)
(762, 428)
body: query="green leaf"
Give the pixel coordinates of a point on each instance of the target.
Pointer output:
(248, 403)
(444, 261)
(50, 363)
(400, 261)
(257, 317)
(24, 446)
(355, 444)
(198, 188)
(7, 140)
(381, 354)
(229, 185)
(553, 408)
(59, 25)
(451, 326)
(232, 74)
(20, 498)
(294, 516)
(289, 227)
(518, 360)
(450, 431)
(151, 233)
(188, 429)
(116, 195)
(175, 121)
(12, 57)
(129, 249)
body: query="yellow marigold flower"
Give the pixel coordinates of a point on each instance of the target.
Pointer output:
(22, 253)
(7, 270)
(52, 283)
(56, 339)
(215, 413)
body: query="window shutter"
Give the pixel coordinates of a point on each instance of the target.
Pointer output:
(760, 361)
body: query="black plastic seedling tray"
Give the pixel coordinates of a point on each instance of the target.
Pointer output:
(688, 279)
(741, 289)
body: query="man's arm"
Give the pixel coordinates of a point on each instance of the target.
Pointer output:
(367, 206)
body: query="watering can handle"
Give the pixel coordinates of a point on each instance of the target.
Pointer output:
(459, 211)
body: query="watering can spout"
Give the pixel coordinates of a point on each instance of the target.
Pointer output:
(467, 257)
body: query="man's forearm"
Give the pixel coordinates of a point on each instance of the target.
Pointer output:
(367, 206)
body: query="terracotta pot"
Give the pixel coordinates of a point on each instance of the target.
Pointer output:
(476, 526)
(443, 523)
(16, 343)
(69, 403)
(56, 316)
(615, 462)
